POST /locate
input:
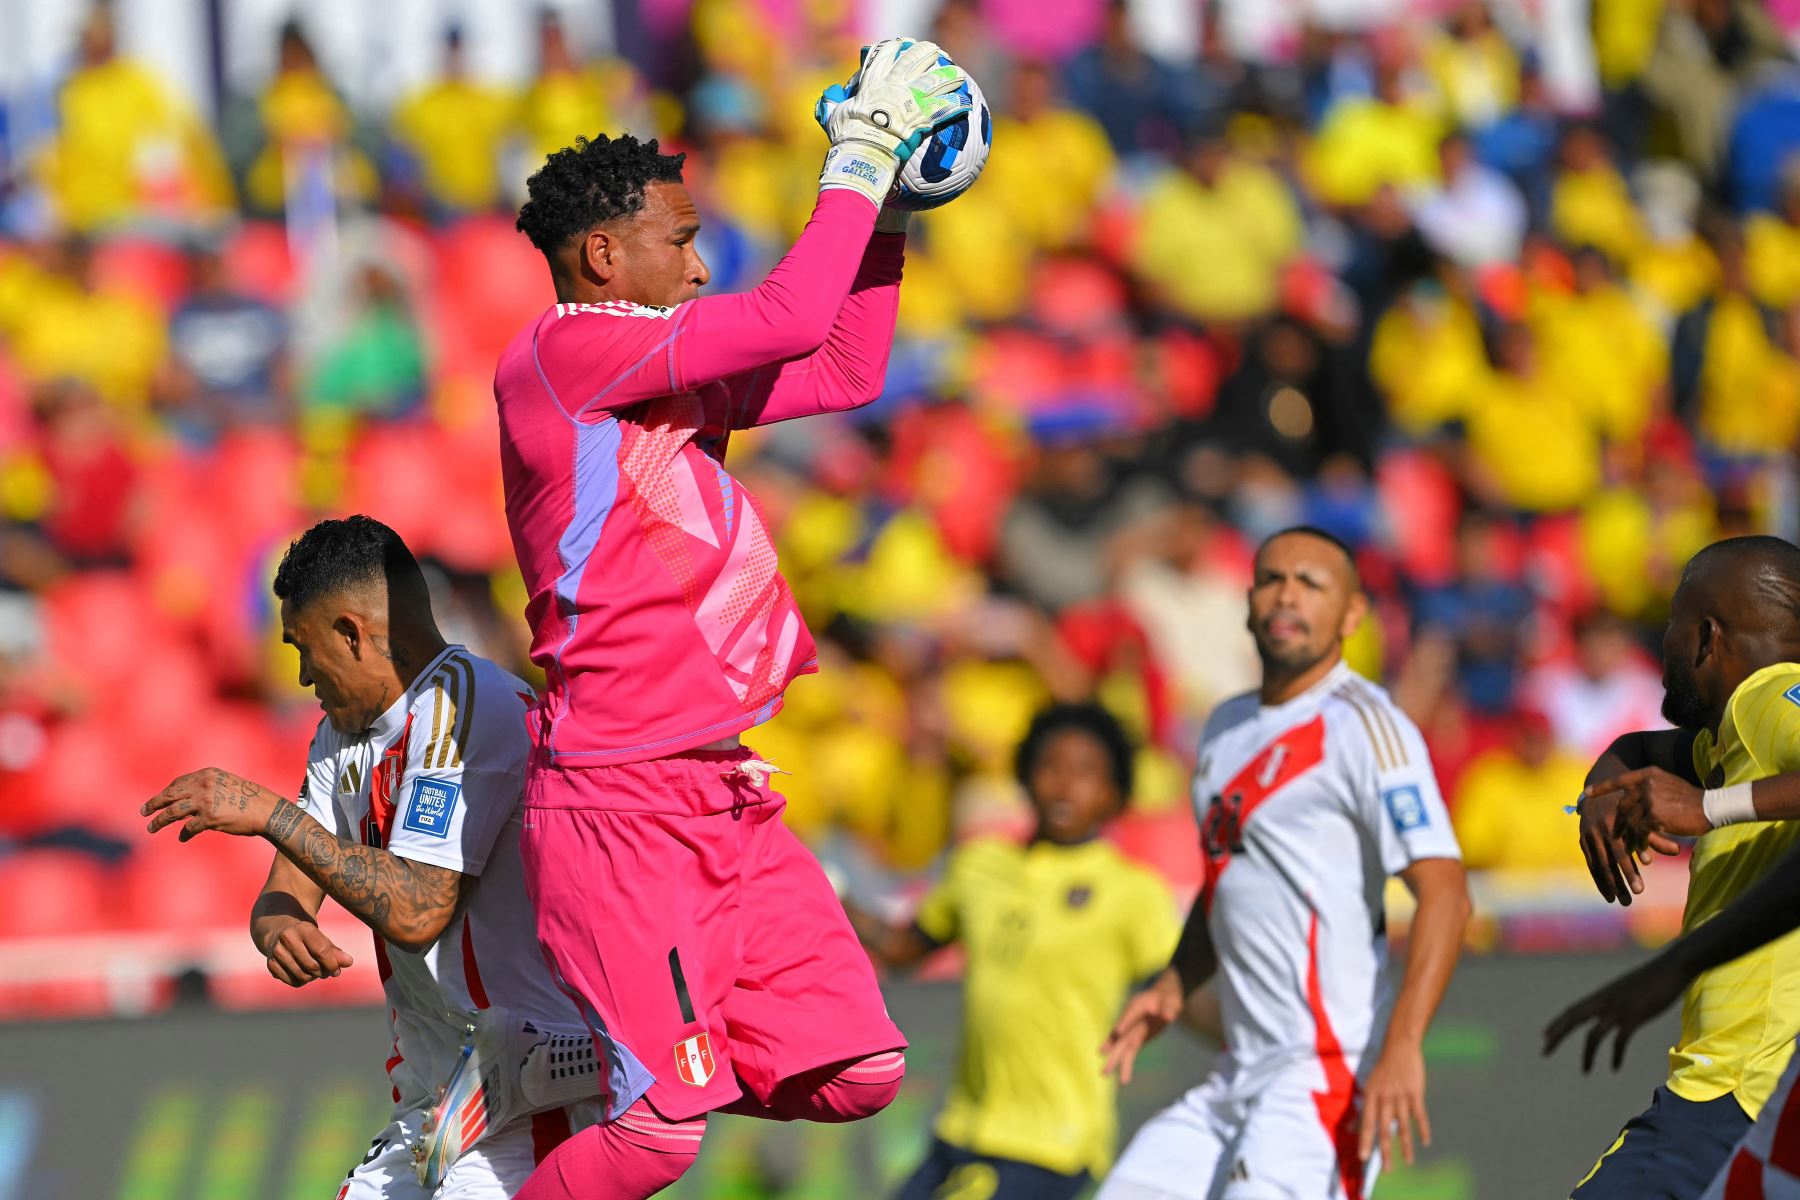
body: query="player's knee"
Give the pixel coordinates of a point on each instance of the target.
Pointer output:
(634, 1156)
(863, 1087)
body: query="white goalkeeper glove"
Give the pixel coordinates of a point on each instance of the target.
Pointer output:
(903, 91)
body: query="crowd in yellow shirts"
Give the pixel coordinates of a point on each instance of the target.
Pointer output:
(1526, 360)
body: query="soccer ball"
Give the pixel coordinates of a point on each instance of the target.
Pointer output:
(949, 162)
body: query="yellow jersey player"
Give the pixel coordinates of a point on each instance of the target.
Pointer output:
(1731, 674)
(1057, 931)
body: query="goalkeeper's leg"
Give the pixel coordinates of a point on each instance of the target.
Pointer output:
(631, 1158)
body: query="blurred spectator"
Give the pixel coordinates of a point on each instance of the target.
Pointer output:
(1607, 687)
(1598, 338)
(1671, 265)
(1484, 613)
(1285, 402)
(1367, 142)
(1054, 540)
(1534, 443)
(228, 361)
(1473, 66)
(1136, 98)
(306, 159)
(128, 149)
(1220, 209)
(1185, 584)
(91, 474)
(377, 366)
(1521, 143)
(1475, 215)
(1590, 204)
(66, 324)
(1051, 209)
(1509, 807)
(453, 129)
(1427, 358)
(1204, 296)
(568, 99)
(1772, 244)
(1704, 51)
(1732, 371)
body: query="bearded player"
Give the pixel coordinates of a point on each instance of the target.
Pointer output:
(672, 901)
(1311, 792)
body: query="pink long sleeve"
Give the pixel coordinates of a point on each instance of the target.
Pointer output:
(788, 315)
(599, 359)
(848, 370)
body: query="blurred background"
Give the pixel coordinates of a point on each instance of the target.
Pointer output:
(1506, 295)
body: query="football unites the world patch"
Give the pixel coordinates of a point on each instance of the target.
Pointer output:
(431, 807)
(1406, 807)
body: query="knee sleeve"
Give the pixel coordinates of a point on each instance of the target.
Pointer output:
(846, 1091)
(631, 1158)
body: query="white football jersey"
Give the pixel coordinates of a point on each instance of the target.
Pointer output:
(438, 779)
(1305, 809)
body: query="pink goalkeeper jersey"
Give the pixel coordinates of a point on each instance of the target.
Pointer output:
(657, 612)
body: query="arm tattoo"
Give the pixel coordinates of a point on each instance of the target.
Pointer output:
(405, 902)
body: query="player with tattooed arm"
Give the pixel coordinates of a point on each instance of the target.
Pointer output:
(409, 817)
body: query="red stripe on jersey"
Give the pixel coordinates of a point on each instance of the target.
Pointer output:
(1745, 1180)
(1281, 762)
(548, 1131)
(1784, 1155)
(1338, 1102)
(393, 1016)
(471, 971)
(378, 822)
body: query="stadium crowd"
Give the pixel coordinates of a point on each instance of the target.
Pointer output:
(1525, 356)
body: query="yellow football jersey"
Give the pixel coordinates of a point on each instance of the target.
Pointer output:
(1738, 1020)
(1055, 937)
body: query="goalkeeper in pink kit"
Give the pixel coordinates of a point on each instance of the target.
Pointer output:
(673, 904)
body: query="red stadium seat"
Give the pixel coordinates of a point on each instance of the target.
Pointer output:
(95, 622)
(151, 271)
(489, 282)
(210, 882)
(260, 262)
(54, 893)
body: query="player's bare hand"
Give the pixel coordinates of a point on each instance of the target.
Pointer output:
(1393, 1104)
(1620, 1008)
(301, 953)
(1149, 1013)
(1656, 806)
(210, 799)
(1612, 857)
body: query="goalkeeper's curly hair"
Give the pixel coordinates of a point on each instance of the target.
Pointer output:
(590, 183)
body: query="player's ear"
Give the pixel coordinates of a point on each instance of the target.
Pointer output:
(1354, 612)
(1707, 643)
(599, 255)
(346, 627)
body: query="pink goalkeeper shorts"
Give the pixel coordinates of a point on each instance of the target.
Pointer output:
(691, 925)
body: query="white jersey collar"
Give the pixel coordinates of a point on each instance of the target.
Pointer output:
(388, 725)
(1334, 678)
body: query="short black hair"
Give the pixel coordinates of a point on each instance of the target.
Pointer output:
(1087, 718)
(1313, 531)
(337, 555)
(1775, 590)
(589, 184)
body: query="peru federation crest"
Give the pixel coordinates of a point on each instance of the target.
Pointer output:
(694, 1060)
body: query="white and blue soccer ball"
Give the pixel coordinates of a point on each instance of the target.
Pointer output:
(947, 163)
